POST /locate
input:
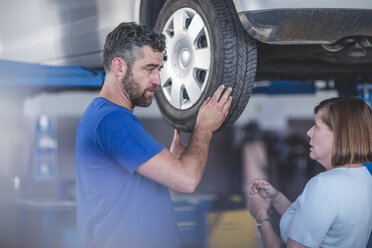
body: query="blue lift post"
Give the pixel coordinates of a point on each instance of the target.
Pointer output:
(284, 87)
(15, 74)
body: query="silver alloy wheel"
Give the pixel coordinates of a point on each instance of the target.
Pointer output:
(187, 63)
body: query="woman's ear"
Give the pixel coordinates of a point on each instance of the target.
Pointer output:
(119, 67)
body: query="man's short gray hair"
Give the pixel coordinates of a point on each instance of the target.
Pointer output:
(126, 41)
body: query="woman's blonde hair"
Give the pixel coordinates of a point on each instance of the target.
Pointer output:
(350, 120)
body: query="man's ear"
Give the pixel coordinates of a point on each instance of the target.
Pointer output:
(119, 67)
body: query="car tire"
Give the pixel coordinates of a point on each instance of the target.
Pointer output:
(206, 47)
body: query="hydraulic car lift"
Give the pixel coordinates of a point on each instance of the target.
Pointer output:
(47, 77)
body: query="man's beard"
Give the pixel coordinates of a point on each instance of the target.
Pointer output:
(134, 92)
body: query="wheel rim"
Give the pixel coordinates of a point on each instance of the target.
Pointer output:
(187, 63)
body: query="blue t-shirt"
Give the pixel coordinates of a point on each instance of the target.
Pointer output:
(117, 207)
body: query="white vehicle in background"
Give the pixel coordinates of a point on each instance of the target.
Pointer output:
(209, 42)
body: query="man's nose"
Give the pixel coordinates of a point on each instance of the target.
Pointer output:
(156, 79)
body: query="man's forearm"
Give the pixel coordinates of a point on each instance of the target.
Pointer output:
(196, 153)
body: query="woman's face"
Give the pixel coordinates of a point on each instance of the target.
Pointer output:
(321, 140)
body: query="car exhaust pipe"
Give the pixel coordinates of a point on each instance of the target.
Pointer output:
(357, 46)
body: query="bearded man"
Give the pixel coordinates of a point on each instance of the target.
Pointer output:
(123, 174)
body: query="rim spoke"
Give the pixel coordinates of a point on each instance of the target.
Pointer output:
(176, 94)
(195, 28)
(179, 21)
(192, 88)
(202, 58)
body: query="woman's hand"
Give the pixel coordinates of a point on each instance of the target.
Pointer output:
(263, 188)
(258, 207)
